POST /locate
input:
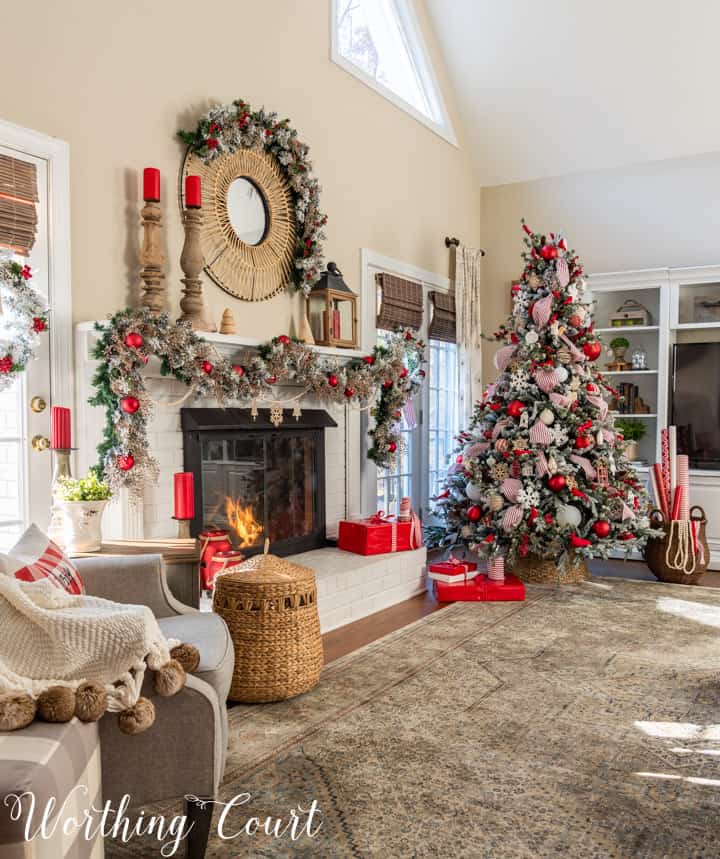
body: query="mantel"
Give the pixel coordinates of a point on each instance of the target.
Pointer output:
(229, 344)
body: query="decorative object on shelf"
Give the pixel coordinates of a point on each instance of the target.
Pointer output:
(81, 502)
(544, 524)
(212, 542)
(306, 334)
(227, 323)
(390, 375)
(619, 346)
(627, 400)
(332, 310)
(184, 496)
(639, 359)
(264, 228)
(152, 257)
(23, 318)
(630, 313)
(706, 310)
(279, 649)
(632, 432)
(192, 261)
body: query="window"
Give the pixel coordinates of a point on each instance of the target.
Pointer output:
(442, 412)
(379, 42)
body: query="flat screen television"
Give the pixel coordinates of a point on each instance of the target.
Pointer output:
(696, 402)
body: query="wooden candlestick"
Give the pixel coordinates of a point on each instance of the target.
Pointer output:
(152, 258)
(192, 262)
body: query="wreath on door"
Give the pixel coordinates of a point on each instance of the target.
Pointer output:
(23, 318)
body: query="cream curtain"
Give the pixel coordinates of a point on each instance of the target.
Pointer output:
(468, 330)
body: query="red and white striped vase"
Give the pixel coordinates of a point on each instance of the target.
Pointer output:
(496, 569)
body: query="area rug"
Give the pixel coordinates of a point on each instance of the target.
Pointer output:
(584, 722)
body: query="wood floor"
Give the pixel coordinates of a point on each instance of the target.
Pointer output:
(356, 635)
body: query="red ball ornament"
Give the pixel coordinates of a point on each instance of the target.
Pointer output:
(392, 447)
(556, 482)
(333, 381)
(546, 252)
(403, 373)
(582, 442)
(601, 528)
(349, 392)
(474, 513)
(627, 536)
(207, 367)
(515, 408)
(408, 335)
(592, 350)
(369, 360)
(284, 339)
(129, 405)
(387, 385)
(240, 371)
(39, 324)
(270, 380)
(125, 461)
(133, 340)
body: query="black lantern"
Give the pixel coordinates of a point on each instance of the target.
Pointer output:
(332, 310)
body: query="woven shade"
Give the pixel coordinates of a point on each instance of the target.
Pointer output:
(18, 212)
(400, 304)
(442, 325)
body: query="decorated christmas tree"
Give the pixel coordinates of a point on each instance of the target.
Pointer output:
(540, 473)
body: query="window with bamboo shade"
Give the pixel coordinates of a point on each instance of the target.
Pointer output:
(442, 324)
(18, 210)
(400, 302)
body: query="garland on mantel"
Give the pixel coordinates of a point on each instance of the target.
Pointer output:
(237, 126)
(389, 376)
(23, 317)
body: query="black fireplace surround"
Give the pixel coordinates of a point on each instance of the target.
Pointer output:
(256, 479)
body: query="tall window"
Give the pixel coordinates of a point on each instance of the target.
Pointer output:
(379, 42)
(442, 412)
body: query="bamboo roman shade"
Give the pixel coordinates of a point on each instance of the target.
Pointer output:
(18, 212)
(442, 325)
(400, 303)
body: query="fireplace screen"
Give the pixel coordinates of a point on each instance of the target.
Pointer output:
(258, 481)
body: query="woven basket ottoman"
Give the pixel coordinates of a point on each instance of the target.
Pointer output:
(270, 608)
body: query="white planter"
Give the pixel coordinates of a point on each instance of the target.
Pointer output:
(81, 525)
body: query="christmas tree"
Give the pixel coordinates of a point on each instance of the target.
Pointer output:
(541, 472)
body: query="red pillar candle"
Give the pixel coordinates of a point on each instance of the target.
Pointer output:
(151, 184)
(60, 433)
(193, 192)
(184, 495)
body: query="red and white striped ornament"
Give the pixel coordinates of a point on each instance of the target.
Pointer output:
(541, 434)
(501, 445)
(560, 400)
(503, 356)
(541, 311)
(496, 569)
(500, 425)
(585, 464)
(600, 404)
(562, 271)
(512, 517)
(546, 378)
(476, 449)
(541, 465)
(510, 488)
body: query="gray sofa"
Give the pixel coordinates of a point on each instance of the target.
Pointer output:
(184, 751)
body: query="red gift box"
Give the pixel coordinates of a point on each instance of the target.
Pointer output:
(453, 570)
(379, 535)
(481, 589)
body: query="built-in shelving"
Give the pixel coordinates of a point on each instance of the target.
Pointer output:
(626, 329)
(628, 372)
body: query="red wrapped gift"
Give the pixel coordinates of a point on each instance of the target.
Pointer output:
(481, 589)
(452, 571)
(379, 535)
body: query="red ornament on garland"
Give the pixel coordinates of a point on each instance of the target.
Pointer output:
(333, 381)
(387, 384)
(592, 350)
(578, 542)
(474, 513)
(515, 408)
(392, 447)
(627, 536)
(284, 339)
(6, 364)
(349, 392)
(601, 528)
(125, 461)
(369, 360)
(129, 405)
(403, 373)
(270, 380)
(39, 324)
(546, 252)
(556, 482)
(133, 340)
(207, 367)
(239, 370)
(582, 442)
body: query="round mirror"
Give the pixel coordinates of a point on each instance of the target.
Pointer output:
(247, 211)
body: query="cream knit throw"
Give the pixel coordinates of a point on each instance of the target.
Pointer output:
(51, 638)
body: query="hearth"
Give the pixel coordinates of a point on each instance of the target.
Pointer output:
(256, 479)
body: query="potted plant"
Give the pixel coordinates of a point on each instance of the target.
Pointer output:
(81, 502)
(619, 346)
(632, 432)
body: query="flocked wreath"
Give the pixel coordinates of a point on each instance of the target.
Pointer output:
(231, 127)
(382, 381)
(23, 318)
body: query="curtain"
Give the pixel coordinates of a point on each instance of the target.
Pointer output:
(468, 328)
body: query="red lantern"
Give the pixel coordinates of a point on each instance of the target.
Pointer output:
(592, 350)
(125, 461)
(220, 562)
(515, 408)
(129, 405)
(601, 528)
(474, 513)
(333, 381)
(556, 482)
(133, 340)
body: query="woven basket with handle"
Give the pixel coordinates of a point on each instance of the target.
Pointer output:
(542, 571)
(270, 607)
(656, 550)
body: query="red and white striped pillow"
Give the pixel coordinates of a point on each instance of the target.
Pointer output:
(35, 556)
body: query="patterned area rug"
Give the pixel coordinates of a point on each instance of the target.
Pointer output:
(583, 722)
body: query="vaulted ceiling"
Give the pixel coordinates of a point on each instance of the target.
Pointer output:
(564, 86)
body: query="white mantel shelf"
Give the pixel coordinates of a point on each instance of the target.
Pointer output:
(229, 344)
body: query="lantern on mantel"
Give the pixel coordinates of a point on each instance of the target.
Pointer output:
(332, 310)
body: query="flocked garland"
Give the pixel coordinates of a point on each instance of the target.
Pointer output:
(236, 126)
(381, 381)
(23, 317)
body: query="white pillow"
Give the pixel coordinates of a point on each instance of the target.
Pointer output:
(35, 556)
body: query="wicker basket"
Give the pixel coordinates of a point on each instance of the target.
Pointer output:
(270, 607)
(656, 551)
(542, 571)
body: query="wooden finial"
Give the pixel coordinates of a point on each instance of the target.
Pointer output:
(227, 323)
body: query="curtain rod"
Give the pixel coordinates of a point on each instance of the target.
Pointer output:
(453, 242)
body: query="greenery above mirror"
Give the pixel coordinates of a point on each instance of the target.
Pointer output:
(255, 247)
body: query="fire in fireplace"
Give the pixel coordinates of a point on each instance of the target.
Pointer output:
(258, 480)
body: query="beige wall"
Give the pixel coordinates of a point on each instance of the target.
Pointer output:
(117, 80)
(645, 216)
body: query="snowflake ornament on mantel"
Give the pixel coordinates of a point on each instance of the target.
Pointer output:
(541, 420)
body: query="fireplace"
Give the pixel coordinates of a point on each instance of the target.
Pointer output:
(256, 479)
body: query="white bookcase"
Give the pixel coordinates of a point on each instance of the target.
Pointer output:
(681, 302)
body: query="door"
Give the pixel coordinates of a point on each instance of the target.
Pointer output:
(26, 467)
